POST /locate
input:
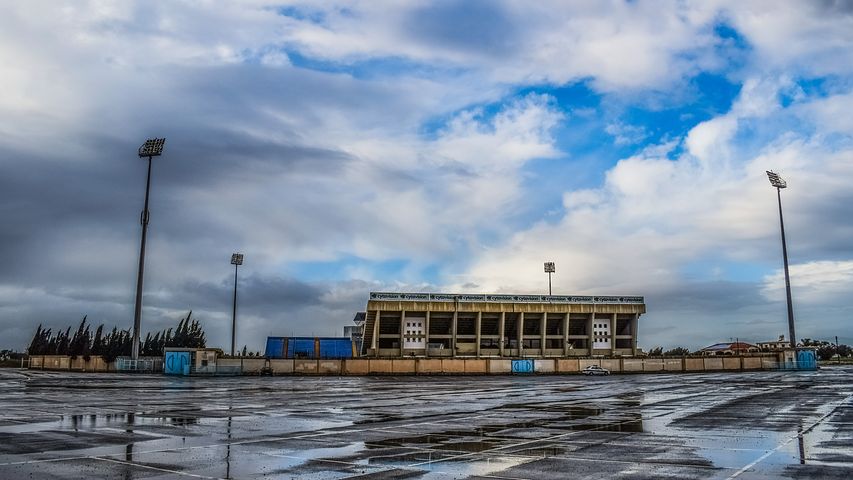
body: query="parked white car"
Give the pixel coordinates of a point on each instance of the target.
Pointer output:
(595, 370)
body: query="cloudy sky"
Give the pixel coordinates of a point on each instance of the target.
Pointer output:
(448, 146)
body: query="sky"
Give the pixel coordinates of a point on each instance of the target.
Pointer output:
(445, 146)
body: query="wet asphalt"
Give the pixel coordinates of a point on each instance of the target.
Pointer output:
(56, 425)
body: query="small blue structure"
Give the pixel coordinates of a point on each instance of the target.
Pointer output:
(522, 366)
(176, 363)
(310, 347)
(189, 361)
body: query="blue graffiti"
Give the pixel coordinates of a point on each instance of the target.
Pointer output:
(175, 362)
(522, 366)
(806, 360)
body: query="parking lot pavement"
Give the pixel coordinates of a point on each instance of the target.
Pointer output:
(725, 425)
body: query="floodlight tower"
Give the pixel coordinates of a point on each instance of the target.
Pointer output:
(549, 269)
(153, 147)
(779, 184)
(236, 260)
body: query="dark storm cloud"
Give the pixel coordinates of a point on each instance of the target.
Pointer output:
(259, 295)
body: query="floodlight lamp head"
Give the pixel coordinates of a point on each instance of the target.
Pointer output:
(153, 147)
(237, 259)
(550, 267)
(776, 180)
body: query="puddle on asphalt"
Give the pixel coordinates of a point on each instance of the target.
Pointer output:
(92, 422)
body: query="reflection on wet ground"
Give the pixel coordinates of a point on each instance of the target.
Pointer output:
(735, 425)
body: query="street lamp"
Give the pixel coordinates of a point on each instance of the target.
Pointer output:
(779, 183)
(549, 269)
(236, 260)
(153, 147)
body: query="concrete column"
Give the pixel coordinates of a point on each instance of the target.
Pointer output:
(402, 330)
(591, 336)
(520, 334)
(613, 335)
(477, 329)
(502, 332)
(542, 334)
(375, 340)
(634, 324)
(566, 335)
(426, 335)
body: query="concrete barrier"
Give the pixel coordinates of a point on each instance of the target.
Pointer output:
(713, 363)
(499, 366)
(429, 366)
(544, 365)
(475, 366)
(694, 364)
(329, 367)
(653, 365)
(752, 363)
(281, 366)
(403, 366)
(673, 364)
(731, 363)
(57, 362)
(612, 364)
(632, 364)
(436, 366)
(254, 366)
(303, 366)
(585, 362)
(356, 366)
(452, 366)
(380, 367)
(568, 365)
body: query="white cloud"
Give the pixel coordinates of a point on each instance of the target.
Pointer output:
(820, 282)
(655, 216)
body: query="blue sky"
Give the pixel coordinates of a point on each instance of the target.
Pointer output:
(441, 146)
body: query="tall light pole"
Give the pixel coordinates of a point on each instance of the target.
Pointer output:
(153, 147)
(549, 269)
(236, 260)
(779, 183)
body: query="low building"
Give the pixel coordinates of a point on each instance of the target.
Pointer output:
(490, 325)
(775, 345)
(730, 348)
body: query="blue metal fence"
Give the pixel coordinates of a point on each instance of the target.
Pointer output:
(275, 347)
(335, 348)
(309, 347)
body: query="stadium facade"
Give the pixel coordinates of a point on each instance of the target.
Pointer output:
(486, 325)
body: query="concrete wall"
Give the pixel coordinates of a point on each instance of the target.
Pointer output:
(96, 363)
(440, 366)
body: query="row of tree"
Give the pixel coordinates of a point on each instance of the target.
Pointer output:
(825, 350)
(117, 343)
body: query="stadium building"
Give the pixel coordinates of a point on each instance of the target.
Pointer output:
(464, 325)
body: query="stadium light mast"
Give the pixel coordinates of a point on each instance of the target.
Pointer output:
(153, 147)
(549, 269)
(236, 260)
(779, 184)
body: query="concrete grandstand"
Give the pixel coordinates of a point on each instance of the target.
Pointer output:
(492, 325)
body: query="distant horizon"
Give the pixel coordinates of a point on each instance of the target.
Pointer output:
(429, 146)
